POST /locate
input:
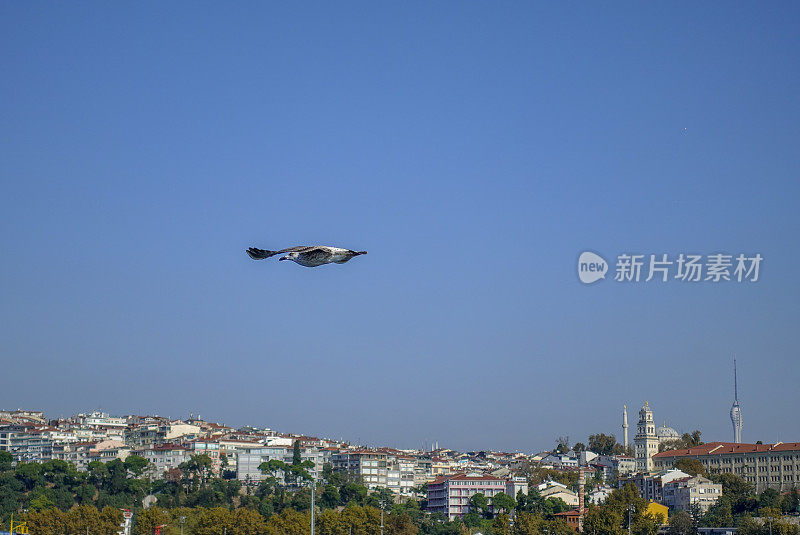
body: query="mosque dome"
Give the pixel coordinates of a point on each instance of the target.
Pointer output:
(667, 433)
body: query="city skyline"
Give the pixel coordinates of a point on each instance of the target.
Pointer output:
(430, 444)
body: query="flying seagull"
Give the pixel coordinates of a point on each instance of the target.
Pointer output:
(308, 255)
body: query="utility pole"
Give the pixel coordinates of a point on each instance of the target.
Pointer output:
(630, 508)
(182, 520)
(770, 525)
(313, 484)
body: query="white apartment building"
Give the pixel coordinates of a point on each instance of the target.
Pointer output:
(248, 462)
(370, 465)
(164, 457)
(683, 493)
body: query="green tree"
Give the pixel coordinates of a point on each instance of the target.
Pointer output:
(400, 524)
(330, 522)
(528, 523)
(503, 503)
(353, 492)
(289, 521)
(472, 519)
(720, 514)
(382, 498)
(603, 444)
(136, 464)
(46, 522)
(148, 519)
(479, 503)
(681, 523)
(297, 456)
(30, 474)
(791, 502)
(6, 460)
(770, 499)
(738, 491)
(501, 525)
(558, 527)
(247, 522)
(198, 467)
(214, 521)
(41, 502)
(301, 500)
(687, 440)
(330, 497)
(692, 467)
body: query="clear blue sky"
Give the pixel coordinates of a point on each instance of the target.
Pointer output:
(474, 149)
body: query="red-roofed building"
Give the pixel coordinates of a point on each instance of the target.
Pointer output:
(775, 466)
(572, 518)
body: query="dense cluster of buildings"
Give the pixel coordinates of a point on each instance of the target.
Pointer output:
(235, 453)
(452, 477)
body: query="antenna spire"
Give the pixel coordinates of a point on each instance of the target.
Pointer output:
(736, 410)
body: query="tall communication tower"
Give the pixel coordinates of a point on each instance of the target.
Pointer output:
(736, 411)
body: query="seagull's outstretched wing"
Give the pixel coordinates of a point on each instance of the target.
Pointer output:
(261, 254)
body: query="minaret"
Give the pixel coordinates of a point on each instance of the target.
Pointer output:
(736, 411)
(581, 498)
(625, 424)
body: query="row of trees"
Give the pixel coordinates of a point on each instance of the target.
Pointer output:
(353, 519)
(55, 483)
(77, 521)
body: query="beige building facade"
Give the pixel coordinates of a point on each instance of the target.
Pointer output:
(765, 466)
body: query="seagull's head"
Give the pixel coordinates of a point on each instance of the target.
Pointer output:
(290, 256)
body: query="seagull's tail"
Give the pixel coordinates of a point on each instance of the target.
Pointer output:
(260, 254)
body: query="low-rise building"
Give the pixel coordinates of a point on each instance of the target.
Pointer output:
(108, 450)
(650, 486)
(571, 517)
(76, 453)
(163, 457)
(560, 460)
(555, 490)
(600, 495)
(683, 494)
